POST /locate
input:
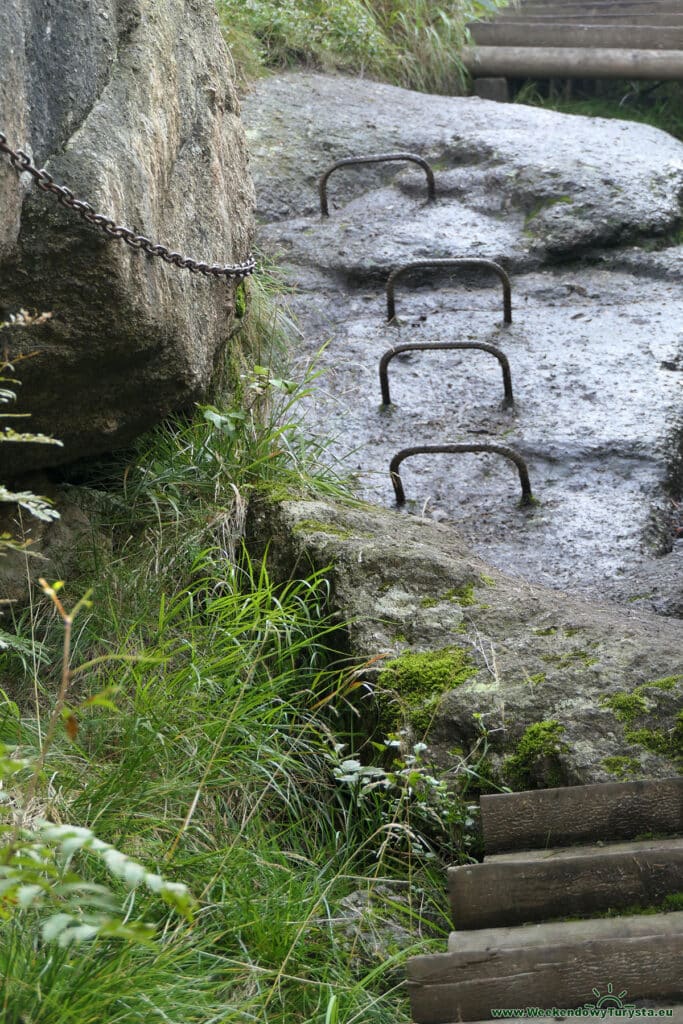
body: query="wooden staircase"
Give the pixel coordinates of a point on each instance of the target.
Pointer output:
(564, 853)
(580, 39)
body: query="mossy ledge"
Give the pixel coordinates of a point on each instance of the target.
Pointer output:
(622, 767)
(416, 681)
(535, 763)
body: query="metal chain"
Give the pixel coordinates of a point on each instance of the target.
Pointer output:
(66, 197)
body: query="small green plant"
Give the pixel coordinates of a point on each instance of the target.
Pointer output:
(40, 508)
(416, 813)
(36, 855)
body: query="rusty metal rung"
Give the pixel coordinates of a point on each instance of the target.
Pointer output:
(508, 401)
(375, 158)
(432, 449)
(455, 264)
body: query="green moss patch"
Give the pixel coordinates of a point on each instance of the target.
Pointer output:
(623, 767)
(535, 762)
(314, 526)
(569, 658)
(628, 707)
(658, 741)
(546, 204)
(536, 679)
(464, 596)
(668, 683)
(625, 706)
(419, 680)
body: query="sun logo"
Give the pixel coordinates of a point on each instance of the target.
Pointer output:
(610, 998)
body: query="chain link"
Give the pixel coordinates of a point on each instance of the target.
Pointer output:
(66, 197)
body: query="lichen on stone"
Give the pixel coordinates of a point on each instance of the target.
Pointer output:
(314, 526)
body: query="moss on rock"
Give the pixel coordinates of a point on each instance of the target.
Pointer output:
(419, 680)
(314, 526)
(622, 767)
(625, 706)
(535, 763)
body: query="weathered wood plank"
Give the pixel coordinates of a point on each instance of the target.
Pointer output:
(566, 34)
(514, 888)
(590, 9)
(560, 62)
(660, 21)
(467, 984)
(555, 933)
(578, 814)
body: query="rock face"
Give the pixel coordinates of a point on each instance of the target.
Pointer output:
(514, 183)
(129, 103)
(584, 213)
(565, 691)
(530, 686)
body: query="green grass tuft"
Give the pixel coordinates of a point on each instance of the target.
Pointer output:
(412, 43)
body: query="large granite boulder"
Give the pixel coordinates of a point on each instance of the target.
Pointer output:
(528, 686)
(585, 215)
(516, 184)
(129, 103)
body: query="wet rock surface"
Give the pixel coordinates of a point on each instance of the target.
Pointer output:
(595, 347)
(130, 104)
(608, 677)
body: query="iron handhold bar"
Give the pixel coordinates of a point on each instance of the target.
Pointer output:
(464, 264)
(375, 158)
(496, 449)
(437, 345)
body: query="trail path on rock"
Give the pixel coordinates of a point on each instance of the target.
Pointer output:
(595, 347)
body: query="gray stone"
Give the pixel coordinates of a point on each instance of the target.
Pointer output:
(595, 345)
(517, 183)
(405, 584)
(131, 105)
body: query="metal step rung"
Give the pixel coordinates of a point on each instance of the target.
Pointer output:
(433, 449)
(454, 264)
(508, 401)
(376, 158)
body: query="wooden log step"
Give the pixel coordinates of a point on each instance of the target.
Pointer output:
(609, 5)
(514, 888)
(565, 34)
(589, 9)
(548, 965)
(572, 62)
(613, 21)
(602, 812)
(577, 17)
